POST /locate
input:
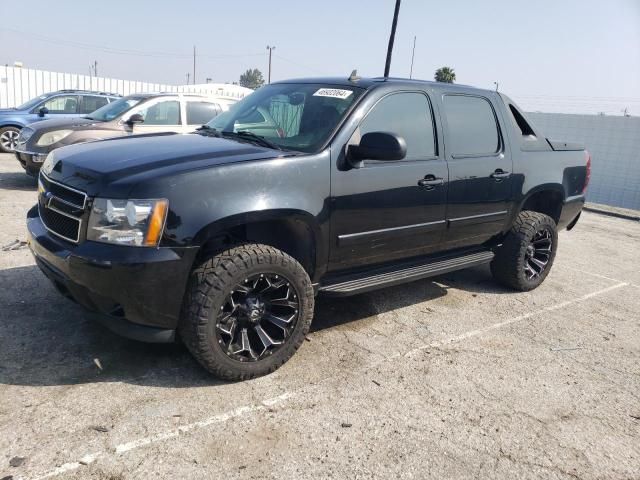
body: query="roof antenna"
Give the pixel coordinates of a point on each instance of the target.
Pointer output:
(354, 76)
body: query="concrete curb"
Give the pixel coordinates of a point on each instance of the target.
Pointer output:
(613, 211)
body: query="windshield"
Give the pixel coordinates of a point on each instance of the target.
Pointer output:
(114, 109)
(32, 103)
(292, 116)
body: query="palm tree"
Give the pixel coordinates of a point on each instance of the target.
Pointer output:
(445, 74)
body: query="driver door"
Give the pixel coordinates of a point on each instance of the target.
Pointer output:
(385, 210)
(60, 106)
(160, 115)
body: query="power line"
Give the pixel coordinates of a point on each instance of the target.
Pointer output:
(121, 51)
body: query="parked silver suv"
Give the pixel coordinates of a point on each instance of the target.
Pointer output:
(135, 114)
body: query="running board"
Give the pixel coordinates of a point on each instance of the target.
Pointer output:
(386, 277)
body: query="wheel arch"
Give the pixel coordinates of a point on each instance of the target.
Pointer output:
(547, 199)
(11, 124)
(293, 231)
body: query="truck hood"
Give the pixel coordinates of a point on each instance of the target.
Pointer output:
(116, 165)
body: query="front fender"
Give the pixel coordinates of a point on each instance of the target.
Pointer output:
(204, 202)
(12, 122)
(219, 226)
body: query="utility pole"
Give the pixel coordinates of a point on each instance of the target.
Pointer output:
(271, 49)
(93, 68)
(413, 53)
(188, 74)
(194, 65)
(392, 38)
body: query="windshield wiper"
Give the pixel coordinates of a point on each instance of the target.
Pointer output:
(209, 131)
(255, 138)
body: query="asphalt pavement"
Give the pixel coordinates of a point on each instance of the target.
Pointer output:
(451, 377)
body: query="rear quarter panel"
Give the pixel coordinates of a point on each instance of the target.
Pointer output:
(537, 167)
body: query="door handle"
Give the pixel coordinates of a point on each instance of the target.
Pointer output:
(430, 181)
(499, 174)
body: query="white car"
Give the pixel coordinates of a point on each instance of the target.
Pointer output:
(134, 114)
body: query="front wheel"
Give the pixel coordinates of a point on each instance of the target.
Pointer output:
(524, 259)
(9, 139)
(246, 311)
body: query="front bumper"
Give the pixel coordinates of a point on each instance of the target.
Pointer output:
(136, 292)
(30, 161)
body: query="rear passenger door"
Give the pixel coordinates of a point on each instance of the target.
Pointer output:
(199, 112)
(480, 166)
(386, 210)
(90, 103)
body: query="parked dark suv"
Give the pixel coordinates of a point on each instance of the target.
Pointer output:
(60, 104)
(226, 236)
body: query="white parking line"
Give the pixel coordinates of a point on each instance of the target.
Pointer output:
(249, 409)
(142, 442)
(597, 275)
(480, 331)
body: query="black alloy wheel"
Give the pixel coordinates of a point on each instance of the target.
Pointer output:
(527, 252)
(257, 317)
(246, 311)
(538, 253)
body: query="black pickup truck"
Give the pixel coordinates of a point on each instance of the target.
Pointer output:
(330, 186)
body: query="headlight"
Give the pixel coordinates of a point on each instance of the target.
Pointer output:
(49, 163)
(127, 222)
(50, 138)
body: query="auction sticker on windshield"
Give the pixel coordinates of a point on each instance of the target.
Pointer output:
(333, 92)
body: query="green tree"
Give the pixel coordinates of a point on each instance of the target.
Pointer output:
(252, 78)
(445, 74)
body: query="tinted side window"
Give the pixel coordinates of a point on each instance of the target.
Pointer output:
(162, 113)
(62, 104)
(407, 115)
(91, 104)
(199, 113)
(472, 125)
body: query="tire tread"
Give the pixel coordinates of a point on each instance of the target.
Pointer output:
(507, 267)
(208, 282)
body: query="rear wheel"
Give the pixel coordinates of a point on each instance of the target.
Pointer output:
(527, 253)
(9, 139)
(246, 311)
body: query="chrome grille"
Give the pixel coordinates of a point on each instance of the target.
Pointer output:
(61, 208)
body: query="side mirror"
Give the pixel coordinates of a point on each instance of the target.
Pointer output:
(133, 119)
(43, 111)
(378, 146)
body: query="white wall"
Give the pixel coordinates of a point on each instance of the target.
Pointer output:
(17, 85)
(614, 144)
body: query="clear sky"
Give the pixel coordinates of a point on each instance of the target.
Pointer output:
(542, 51)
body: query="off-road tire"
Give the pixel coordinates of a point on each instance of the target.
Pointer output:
(209, 285)
(508, 266)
